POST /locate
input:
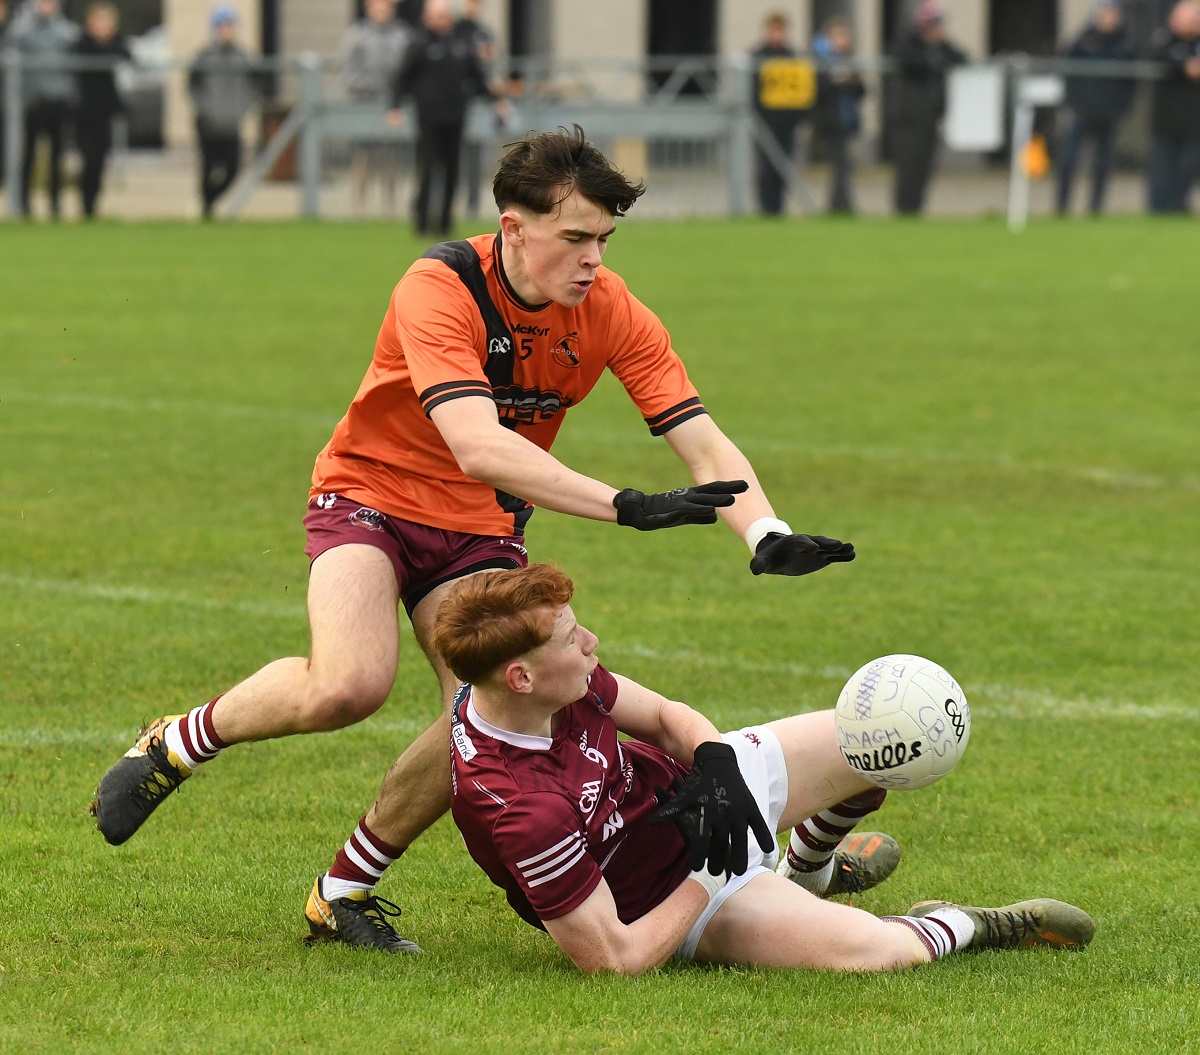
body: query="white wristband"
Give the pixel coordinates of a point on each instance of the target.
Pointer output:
(763, 527)
(710, 882)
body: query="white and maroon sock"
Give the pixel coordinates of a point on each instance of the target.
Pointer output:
(193, 738)
(359, 864)
(813, 841)
(941, 932)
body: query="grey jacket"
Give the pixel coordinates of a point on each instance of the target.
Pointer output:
(41, 39)
(371, 57)
(223, 88)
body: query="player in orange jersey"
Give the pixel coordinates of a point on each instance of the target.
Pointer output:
(485, 346)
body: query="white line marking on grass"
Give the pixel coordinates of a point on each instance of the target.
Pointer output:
(175, 406)
(997, 700)
(141, 595)
(48, 736)
(1119, 479)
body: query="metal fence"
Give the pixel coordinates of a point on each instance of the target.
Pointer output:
(687, 125)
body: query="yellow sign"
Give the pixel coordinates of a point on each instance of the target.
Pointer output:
(1036, 158)
(787, 84)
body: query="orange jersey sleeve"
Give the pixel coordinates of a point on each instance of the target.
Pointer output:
(644, 362)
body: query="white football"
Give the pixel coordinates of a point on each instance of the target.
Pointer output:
(902, 722)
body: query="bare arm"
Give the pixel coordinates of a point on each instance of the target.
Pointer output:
(667, 724)
(596, 939)
(487, 451)
(710, 455)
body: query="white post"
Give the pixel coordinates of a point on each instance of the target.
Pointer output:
(1018, 177)
(14, 129)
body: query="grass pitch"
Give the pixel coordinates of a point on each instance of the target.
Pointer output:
(1006, 427)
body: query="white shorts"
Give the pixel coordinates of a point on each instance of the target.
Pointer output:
(760, 758)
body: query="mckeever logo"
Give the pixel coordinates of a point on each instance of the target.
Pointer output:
(499, 346)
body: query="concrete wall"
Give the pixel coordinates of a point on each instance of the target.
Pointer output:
(611, 30)
(314, 25)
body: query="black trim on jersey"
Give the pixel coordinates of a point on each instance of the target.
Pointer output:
(460, 697)
(507, 286)
(677, 415)
(436, 395)
(490, 564)
(463, 260)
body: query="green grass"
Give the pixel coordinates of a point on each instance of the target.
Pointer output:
(1007, 428)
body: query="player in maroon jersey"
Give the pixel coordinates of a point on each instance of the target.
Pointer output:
(560, 814)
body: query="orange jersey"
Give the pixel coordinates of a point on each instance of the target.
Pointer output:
(434, 347)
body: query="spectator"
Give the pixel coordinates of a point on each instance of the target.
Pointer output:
(483, 40)
(441, 72)
(781, 99)
(223, 88)
(99, 101)
(47, 92)
(1175, 117)
(373, 49)
(924, 55)
(4, 25)
(1097, 104)
(835, 117)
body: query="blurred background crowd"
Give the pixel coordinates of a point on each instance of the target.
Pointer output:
(842, 93)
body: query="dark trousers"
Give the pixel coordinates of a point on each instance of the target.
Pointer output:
(473, 174)
(1174, 167)
(771, 183)
(220, 160)
(1103, 135)
(916, 147)
(93, 136)
(841, 190)
(46, 119)
(438, 150)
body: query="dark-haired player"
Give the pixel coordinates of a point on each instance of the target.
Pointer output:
(561, 814)
(486, 344)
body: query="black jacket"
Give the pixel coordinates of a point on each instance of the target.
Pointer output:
(1101, 98)
(1176, 111)
(441, 73)
(836, 112)
(98, 95)
(919, 87)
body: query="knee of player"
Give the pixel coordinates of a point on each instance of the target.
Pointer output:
(348, 699)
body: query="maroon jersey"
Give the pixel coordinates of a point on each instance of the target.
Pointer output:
(547, 817)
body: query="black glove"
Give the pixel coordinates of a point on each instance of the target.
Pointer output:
(798, 554)
(713, 809)
(687, 505)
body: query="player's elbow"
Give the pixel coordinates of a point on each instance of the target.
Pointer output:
(473, 460)
(611, 958)
(610, 965)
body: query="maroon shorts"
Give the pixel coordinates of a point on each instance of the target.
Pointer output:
(424, 557)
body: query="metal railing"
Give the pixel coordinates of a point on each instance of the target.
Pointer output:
(681, 100)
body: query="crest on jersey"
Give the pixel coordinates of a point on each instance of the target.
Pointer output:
(499, 346)
(566, 351)
(371, 519)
